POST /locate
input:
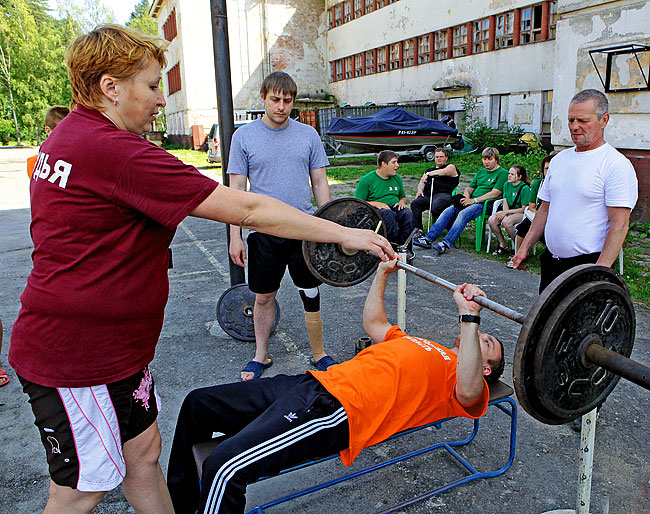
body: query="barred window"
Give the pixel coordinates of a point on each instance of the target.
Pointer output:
(174, 79)
(169, 28)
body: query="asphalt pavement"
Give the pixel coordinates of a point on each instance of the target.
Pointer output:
(193, 351)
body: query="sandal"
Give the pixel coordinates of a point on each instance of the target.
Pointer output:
(256, 368)
(501, 250)
(323, 363)
(4, 378)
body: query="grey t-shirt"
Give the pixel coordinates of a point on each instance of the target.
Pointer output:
(278, 161)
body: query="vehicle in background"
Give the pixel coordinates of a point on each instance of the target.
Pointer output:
(214, 142)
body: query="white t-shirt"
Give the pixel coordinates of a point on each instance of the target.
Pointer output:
(580, 186)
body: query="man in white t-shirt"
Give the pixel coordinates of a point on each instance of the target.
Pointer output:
(587, 196)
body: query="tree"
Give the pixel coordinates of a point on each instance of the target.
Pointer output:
(88, 15)
(33, 75)
(141, 21)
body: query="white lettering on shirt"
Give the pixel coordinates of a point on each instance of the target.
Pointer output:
(428, 346)
(61, 170)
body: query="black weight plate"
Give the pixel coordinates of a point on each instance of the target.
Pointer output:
(567, 385)
(530, 334)
(235, 312)
(327, 261)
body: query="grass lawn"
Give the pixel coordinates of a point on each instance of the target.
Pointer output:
(348, 170)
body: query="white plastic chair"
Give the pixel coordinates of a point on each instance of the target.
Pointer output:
(495, 207)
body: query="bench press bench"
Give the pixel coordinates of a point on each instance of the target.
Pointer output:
(500, 399)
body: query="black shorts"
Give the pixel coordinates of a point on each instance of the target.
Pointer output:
(268, 258)
(83, 429)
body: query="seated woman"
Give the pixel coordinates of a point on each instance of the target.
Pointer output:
(522, 228)
(434, 189)
(515, 198)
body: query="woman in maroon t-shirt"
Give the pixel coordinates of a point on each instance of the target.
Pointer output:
(105, 204)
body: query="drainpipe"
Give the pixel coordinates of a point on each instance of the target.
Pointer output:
(219, 18)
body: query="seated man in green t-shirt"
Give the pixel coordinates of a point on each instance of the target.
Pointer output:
(383, 188)
(487, 184)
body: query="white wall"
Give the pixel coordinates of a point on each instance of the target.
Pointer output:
(585, 26)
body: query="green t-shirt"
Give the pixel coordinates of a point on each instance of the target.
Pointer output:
(516, 196)
(534, 188)
(485, 181)
(373, 188)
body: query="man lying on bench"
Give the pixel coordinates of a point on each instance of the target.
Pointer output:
(275, 423)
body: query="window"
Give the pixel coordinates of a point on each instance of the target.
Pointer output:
(358, 8)
(481, 40)
(330, 18)
(337, 15)
(169, 28)
(552, 20)
(460, 41)
(347, 10)
(370, 62)
(440, 49)
(381, 59)
(370, 6)
(339, 69)
(333, 71)
(423, 49)
(358, 65)
(409, 53)
(504, 30)
(531, 24)
(394, 56)
(174, 79)
(379, 4)
(348, 68)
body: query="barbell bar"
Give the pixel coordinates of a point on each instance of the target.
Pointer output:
(574, 344)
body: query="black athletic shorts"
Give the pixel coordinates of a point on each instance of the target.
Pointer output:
(268, 258)
(83, 429)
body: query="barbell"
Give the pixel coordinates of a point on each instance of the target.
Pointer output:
(574, 344)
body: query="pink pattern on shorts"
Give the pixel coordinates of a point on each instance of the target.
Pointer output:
(143, 393)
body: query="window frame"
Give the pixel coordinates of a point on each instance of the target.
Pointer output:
(507, 37)
(481, 37)
(459, 41)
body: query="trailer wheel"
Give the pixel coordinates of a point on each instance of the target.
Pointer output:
(429, 153)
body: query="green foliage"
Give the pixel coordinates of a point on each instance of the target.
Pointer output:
(33, 76)
(6, 131)
(88, 15)
(141, 21)
(482, 135)
(470, 103)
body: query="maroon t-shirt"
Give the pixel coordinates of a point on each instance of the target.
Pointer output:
(105, 205)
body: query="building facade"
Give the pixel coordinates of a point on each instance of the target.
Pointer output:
(516, 62)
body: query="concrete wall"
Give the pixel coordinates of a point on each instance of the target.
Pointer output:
(588, 25)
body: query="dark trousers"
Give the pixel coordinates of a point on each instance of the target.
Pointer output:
(398, 223)
(553, 267)
(439, 203)
(270, 424)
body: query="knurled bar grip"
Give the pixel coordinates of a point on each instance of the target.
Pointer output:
(485, 302)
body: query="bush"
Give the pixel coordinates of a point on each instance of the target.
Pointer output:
(7, 131)
(531, 160)
(482, 136)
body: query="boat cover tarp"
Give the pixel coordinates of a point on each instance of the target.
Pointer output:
(386, 120)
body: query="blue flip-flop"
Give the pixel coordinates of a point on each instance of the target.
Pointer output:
(257, 368)
(323, 363)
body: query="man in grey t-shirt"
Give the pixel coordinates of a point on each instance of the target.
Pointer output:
(283, 159)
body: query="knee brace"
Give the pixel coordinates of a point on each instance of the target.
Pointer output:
(310, 299)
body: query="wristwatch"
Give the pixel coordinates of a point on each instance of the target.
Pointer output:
(469, 318)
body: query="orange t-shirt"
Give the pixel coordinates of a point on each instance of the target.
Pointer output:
(31, 162)
(401, 383)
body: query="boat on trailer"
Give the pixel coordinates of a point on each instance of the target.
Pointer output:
(394, 128)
